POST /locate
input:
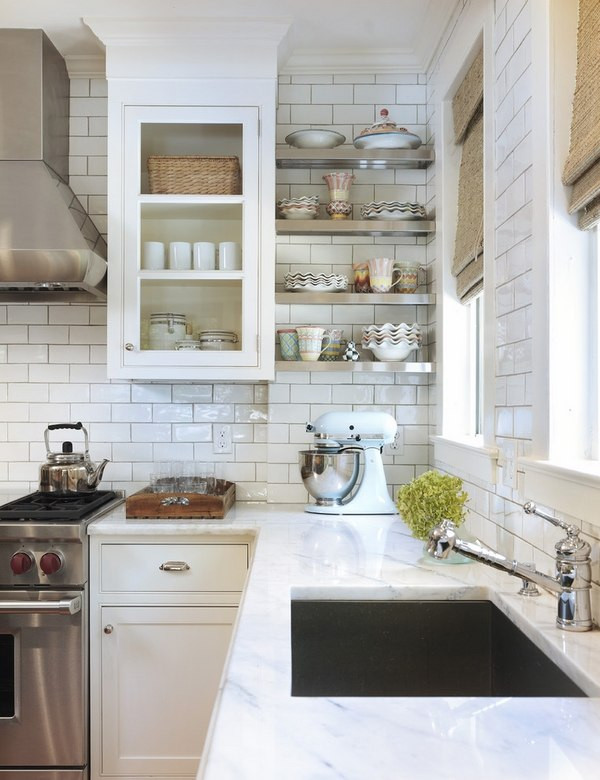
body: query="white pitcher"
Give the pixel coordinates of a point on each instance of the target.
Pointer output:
(381, 270)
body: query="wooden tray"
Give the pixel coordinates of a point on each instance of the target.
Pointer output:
(181, 506)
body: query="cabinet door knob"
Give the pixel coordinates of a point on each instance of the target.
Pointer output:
(108, 629)
(174, 566)
(129, 346)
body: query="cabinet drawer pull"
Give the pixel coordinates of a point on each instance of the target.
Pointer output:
(108, 629)
(174, 566)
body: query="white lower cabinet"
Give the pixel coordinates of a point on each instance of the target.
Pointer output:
(161, 668)
(160, 631)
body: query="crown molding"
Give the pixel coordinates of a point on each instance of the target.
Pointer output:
(86, 66)
(139, 31)
(192, 47)
(326, 61)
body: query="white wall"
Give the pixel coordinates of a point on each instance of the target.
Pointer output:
(496, 514)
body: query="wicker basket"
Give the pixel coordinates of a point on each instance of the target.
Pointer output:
(194, 175)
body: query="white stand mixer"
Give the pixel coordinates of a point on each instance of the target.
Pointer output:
(330, 470)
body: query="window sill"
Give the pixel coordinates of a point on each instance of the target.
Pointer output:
(573, 488)
(468, 456)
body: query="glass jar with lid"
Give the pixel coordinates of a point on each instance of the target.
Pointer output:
(166, 329)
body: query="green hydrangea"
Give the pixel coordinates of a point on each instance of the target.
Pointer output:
(429, 499)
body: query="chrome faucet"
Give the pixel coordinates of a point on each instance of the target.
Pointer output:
(572, 581)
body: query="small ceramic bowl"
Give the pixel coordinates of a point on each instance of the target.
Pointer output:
(339, 209)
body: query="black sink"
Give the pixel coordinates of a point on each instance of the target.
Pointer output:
(417, 648)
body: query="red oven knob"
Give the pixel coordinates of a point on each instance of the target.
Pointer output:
(21, 562)
(50, 563)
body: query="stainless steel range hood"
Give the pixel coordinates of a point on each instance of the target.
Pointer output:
(49, 247)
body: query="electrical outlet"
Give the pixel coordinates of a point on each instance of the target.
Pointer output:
(397, 443)
(222, 442)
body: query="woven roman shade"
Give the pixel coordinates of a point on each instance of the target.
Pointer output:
(582, 168)
(467, 114)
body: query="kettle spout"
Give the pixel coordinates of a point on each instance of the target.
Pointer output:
(95, 475)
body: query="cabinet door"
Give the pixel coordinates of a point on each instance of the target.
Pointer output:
(161, 668)
(204, 299)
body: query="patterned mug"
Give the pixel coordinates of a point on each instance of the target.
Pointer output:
(288, 343)
(310, 342)
(333, 350)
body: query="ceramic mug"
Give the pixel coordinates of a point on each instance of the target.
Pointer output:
(153, 255)
(310, 342)
(205, 253)
(230, 256)
(381, 270)
(180, 255)
(334, 349)
(288, 343)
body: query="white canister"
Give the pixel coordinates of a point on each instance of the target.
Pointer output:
(180, 255)
(153, 255)
(230, 256)
(205, 253)
(165, 330)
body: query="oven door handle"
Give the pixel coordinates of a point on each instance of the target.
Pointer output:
(59, 607)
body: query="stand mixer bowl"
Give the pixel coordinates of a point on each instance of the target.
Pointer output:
(329, 476)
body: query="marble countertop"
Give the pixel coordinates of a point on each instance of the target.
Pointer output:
(259, 731)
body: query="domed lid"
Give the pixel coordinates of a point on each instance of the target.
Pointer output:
(385, 125)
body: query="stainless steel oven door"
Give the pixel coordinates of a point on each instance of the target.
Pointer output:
(43, 682)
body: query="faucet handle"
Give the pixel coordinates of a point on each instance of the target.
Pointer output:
(530, 508)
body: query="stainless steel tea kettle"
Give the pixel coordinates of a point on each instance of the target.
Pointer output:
(68, 471)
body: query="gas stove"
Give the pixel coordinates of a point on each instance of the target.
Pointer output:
(43, 537)
(44, 633)
(69, 507)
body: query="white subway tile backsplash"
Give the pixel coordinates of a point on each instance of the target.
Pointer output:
(312, 115)
(334, 94)
(72, 393)
(132, 413)
(26, 392)
(295, 93)
(194, 432)
(321, 394)
(379, 93)
(14, 334)
(147, 432)
(110, 393)
(17, 372)
(410, 93)
(233, 394)
(361, 115)
(26, 315)
(91, 412)
(87, 373)
(66, 353)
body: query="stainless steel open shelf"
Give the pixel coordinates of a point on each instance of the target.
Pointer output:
(349, 157)
(354, 227)
(369, 299)
(360, 365)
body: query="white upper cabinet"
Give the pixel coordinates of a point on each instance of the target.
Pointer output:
(172, 94)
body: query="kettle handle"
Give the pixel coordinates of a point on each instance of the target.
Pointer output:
(75, 426)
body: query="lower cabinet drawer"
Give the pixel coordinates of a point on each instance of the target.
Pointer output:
(172, 568)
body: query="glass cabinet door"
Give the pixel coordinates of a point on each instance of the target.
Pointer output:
(190, 236)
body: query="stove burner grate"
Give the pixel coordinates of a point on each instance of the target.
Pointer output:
(55, 506)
